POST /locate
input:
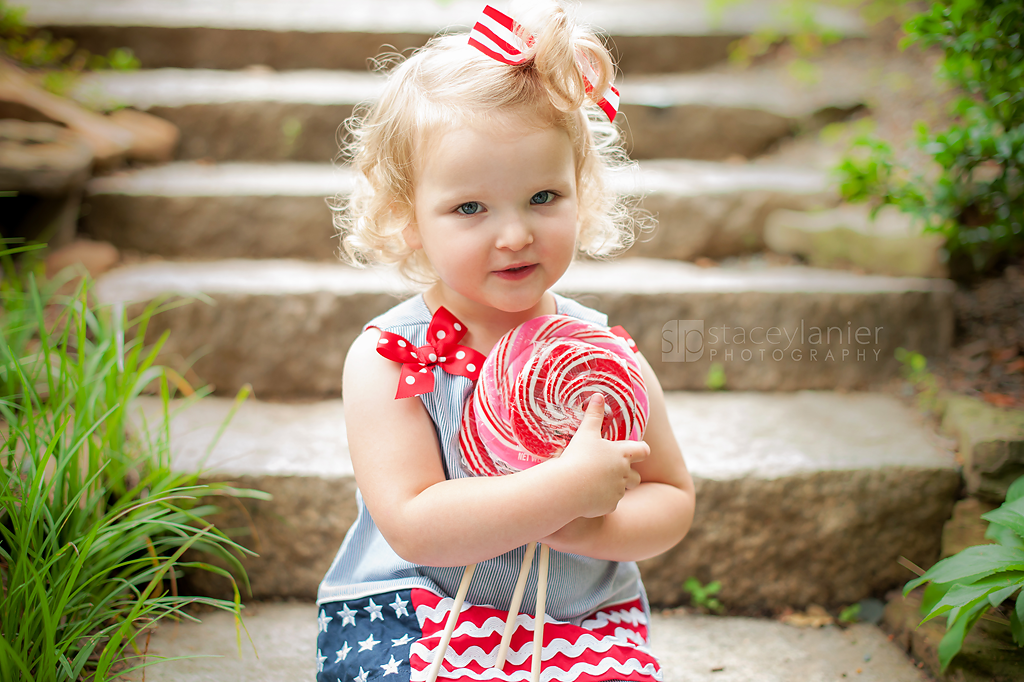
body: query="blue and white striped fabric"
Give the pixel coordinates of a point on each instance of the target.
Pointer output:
(366, 565)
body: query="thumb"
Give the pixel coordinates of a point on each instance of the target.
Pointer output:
(593, 418)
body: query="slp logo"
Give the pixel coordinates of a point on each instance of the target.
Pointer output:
(682, 341)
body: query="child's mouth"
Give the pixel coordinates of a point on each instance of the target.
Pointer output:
(516, 272)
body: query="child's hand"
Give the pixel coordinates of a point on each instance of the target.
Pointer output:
(600, 470)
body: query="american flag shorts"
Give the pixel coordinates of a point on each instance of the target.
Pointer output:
(393, 637)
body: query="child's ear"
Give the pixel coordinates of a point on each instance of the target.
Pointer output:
(411, 234)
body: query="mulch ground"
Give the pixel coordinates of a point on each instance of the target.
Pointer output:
(987, 359)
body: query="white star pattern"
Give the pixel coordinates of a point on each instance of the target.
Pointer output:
(368, 643)
(348, 616)
(391, 667)
(362, 676)
(324, 619)
(399, 606)
(320, 658)
(374, 611)
(343, 653)
(405, 639)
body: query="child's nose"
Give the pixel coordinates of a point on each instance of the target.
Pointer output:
(515, 234)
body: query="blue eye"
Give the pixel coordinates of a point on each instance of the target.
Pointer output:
(545, 197)
(469, 208)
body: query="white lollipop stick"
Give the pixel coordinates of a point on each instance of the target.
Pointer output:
(513, 607)
(538, 624)
(449, 626)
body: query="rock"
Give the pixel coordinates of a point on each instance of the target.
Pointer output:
(95, 257)
(803, 538)
(42, 158)
(47, 167)
(717, 210)
(298, 454)
(109, 141)
(153, 139)
(293, 536)
(966, 528)
(889, 244)
(813, 617)
(988, 653)
(991, 444)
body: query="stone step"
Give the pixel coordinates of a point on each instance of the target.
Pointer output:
(195, 210)
(802, 498)
(693, 648)
(648, 35)
(265, 115)
(284, 326)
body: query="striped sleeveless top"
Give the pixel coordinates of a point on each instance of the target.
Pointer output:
(366, 565)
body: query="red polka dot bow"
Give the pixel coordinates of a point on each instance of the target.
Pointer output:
(621, 332)
(499, 37)
(442, 350)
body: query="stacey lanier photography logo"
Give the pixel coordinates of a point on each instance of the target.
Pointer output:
(692, 340)
(682, 341)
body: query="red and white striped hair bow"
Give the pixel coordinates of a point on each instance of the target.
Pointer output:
(496, 36)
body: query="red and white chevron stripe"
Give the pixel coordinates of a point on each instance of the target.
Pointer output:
(610, 645)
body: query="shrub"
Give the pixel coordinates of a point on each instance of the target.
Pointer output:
(93, 522)
(62, 58)
(974, 195)
(965, 586)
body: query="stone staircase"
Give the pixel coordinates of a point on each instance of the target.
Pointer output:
(811, 484)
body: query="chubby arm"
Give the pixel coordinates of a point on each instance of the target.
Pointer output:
(432, 521)
(651, 517)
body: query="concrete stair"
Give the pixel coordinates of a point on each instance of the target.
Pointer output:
(281, 210)
(284, 326)
(647, 35)
(805, 497)
(807, 493)
(691, 648)
(265, 115)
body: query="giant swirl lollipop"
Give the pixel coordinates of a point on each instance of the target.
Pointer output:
(529, 401)
(534, 388)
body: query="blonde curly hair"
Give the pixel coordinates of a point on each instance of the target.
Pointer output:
(449, 83)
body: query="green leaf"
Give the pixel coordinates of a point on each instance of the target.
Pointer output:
(1004, 536)
(1010, 514)
(1017, 620)
(970, 565)
(951, 643)
(998, 597)
(933, 593)
(953, 640)
(961, 596)
(1016, 490)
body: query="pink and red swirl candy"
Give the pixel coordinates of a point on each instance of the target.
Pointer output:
(534, 388)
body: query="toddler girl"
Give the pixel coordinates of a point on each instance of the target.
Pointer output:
(482, 178)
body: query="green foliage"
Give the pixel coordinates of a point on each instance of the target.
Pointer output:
(62, 60)
(965, 586)
(703, 596)
(915, 370)
(850, 614)
(94, 524)
(716, 377)
(975, 194)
